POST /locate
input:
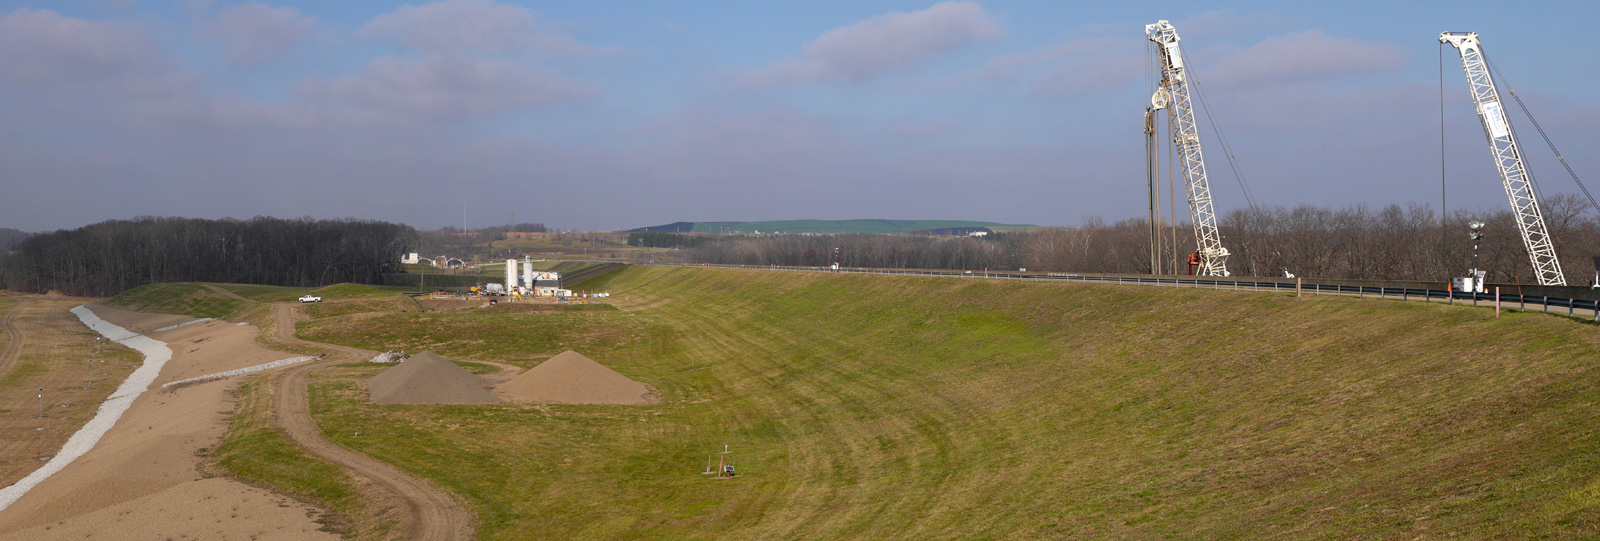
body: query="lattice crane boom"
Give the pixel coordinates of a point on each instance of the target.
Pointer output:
(1508, 159)
(1173, 96)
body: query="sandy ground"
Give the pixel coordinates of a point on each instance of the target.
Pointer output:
(572, 378)
(143, 480)
(53, 347)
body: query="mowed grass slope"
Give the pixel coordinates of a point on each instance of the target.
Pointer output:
(185, 298)
(909, 407)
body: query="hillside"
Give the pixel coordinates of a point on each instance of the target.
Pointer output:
(873, 406)
(825, 226)
(10, 237)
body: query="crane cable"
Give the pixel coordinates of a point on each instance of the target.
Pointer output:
(1536, 126)
(1443, 196)
(1216, 129)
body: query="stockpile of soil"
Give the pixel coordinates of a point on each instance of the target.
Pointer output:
(571, 378)
(427, 378)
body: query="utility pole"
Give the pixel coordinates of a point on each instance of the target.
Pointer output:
(1150, 173)
(463, 215)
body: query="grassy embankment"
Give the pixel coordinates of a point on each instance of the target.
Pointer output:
(196, 300)
(185, 298)
(873, 406)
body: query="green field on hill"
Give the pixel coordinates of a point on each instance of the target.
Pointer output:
(836, 226)
(196, 300)
(911, 407)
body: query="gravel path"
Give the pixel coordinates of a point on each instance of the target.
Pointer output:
(237, 371)
(431, 513)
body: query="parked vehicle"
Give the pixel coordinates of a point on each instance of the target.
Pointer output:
(310, 298)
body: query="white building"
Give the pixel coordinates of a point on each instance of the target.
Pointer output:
(410, 259)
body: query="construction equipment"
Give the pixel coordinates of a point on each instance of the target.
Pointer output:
(1173, 95)
(1150, 172)
(1508, 159)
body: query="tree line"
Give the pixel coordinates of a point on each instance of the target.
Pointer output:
(108, 257)
(11, 237)
(1391, 243)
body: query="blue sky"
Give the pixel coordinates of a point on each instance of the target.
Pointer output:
(609, 115)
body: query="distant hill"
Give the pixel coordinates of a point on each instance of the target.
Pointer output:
(828, 226)
(10, 237)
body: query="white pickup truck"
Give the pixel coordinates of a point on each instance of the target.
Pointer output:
(310, 298)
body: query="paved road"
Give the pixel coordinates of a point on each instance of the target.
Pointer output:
(430, 512)
(13, 336)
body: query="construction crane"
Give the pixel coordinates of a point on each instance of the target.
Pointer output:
(1508, 159)
(1172, 94)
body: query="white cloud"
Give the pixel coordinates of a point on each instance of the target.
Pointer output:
(1303, 56)
(441, 87)
(923, 130)
(881, 44)
(64, 56)
(254, 32)
(1220, 23)
(1080, 66)
(459, 26)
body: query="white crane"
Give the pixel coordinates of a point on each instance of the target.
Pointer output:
(1508, 159)
(1173, 95)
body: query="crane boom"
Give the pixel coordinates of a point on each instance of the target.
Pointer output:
(1173, 95)
(1508, 159)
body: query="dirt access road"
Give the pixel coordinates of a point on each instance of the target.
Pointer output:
(430, 512)
(13, 336)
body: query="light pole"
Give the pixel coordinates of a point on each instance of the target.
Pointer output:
(1475, 230)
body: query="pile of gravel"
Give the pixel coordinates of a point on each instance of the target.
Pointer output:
(571, 378)
(427, 378)
(389, 357)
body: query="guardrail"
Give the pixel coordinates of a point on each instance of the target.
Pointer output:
(1403, 291)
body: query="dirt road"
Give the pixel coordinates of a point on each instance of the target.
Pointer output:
(430, 512)
(13, 336)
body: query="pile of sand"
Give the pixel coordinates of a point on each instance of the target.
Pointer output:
(427, 378)
(571, 378)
